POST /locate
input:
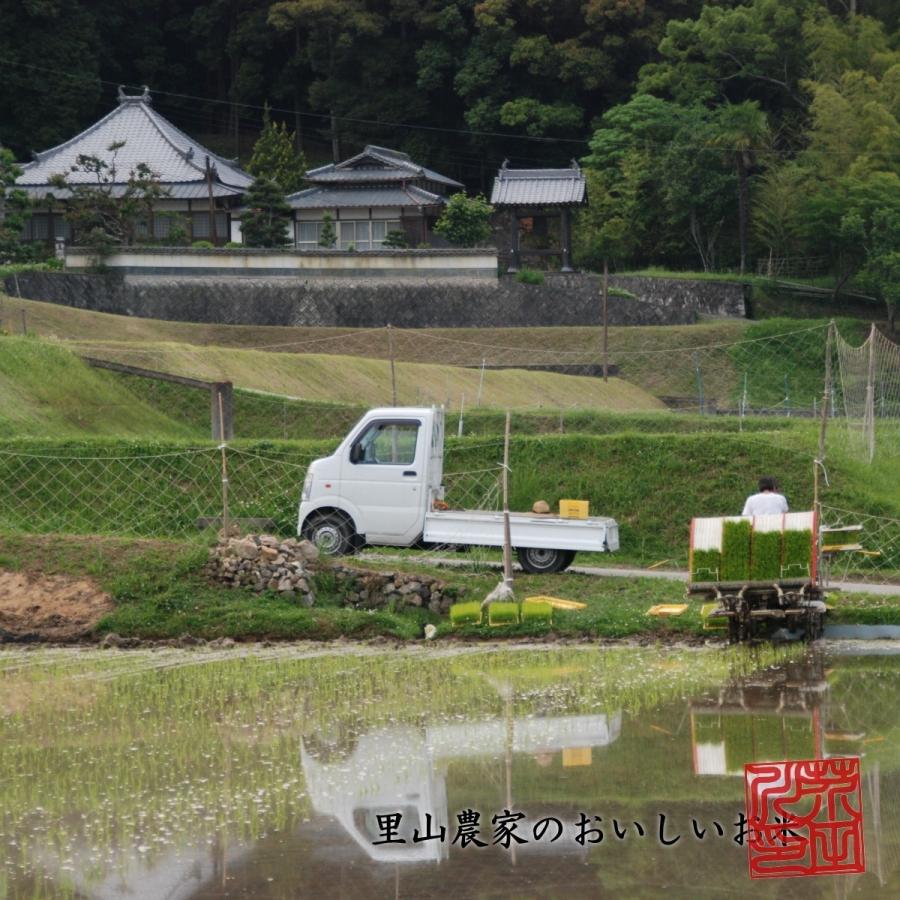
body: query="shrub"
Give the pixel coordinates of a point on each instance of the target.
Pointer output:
(328, 235)
(529, 276)
(735, 551)
(396, 240)
(234, 245)
(465, 221)
(466, 613)
(203, 245)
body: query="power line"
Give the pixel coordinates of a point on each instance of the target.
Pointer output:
(304, 113)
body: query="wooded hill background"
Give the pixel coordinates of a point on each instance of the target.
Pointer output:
(714, 131)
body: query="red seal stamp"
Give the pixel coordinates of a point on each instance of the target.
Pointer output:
(804, 817)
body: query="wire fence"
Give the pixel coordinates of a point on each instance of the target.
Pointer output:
(650, 368)
(657, 379)
(873, 551)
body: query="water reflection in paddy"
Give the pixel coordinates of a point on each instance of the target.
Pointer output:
(269, 773)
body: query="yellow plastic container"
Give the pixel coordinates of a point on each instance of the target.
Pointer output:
(573, 509)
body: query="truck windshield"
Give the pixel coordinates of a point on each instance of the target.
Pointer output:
(387, 444)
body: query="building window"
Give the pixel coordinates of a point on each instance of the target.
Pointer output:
(366, 234)
(308, 234)
(200, 226)
(37, 227)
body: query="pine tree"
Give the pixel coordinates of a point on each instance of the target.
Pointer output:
(267, 217)
(328, 236)
(274, 156)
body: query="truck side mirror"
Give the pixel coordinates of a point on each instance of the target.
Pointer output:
(355, 453)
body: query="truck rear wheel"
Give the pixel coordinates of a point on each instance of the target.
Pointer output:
(542, 562)
(331, 533)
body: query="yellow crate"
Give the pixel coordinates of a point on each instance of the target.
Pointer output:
(576, 756)
(573, 509)
(665, 610)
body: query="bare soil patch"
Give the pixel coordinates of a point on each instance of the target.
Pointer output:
(49, 607)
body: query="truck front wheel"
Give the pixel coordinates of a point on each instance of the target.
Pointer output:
(543, 562)
(331, 533)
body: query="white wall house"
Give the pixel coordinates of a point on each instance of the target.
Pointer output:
(368, 195)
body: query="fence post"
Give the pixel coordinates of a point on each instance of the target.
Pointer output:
(390, 332)
(700, 403)
(462, 404)
(481, 382)
(223, 447)
(787, 395)
(869, 413)
(222, 411)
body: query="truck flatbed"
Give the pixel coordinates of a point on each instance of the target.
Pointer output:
(597, 534)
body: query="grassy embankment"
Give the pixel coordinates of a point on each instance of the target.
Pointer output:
(652, 471)
(160, 593)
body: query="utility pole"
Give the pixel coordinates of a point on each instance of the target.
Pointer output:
(212, 203)
(819, 461)
(605, 319)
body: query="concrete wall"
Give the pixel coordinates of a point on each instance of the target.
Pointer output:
(256, 263)
(370, 303)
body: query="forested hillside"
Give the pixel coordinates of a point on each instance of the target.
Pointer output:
(716, 133)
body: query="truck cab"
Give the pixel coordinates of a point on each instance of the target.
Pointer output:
(379, 483)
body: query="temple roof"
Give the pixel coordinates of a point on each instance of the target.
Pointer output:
(178, 161)
(539, 187)
(377, 165)
(326, 197)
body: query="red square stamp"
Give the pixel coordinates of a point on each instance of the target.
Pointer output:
(804, 817)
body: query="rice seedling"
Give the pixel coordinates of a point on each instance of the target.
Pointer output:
(503, 614)
(705, 565)
(765, 556)
(797, 558)
(735, 551)
(537, 612)
(466, 613)
(111, 756)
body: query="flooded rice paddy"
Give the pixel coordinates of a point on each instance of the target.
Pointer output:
(281, 772)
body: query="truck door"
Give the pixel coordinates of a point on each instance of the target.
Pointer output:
(383, 477)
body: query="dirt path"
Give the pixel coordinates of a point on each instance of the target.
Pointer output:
(49, 607)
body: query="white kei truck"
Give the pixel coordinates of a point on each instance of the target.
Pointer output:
(383, 485)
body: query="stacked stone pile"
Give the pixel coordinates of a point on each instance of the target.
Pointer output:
(265, 562)
(373, 590)
(291, 568)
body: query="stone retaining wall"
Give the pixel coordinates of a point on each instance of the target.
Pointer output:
(293, 569)
(563, 299)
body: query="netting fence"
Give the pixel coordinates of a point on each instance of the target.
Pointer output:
(771, 384)
(776, 373)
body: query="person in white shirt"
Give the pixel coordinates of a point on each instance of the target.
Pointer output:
(766, 502)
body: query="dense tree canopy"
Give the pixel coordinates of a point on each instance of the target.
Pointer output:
(718, 131)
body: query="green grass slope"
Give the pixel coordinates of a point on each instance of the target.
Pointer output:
(653, 484)
(355, 379)
(47, 390)
(775, 356)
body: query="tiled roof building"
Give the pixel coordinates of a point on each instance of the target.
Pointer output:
(531, 197)
(180, 163)
(368, 195)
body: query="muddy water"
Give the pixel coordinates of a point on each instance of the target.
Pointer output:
(281, 773)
